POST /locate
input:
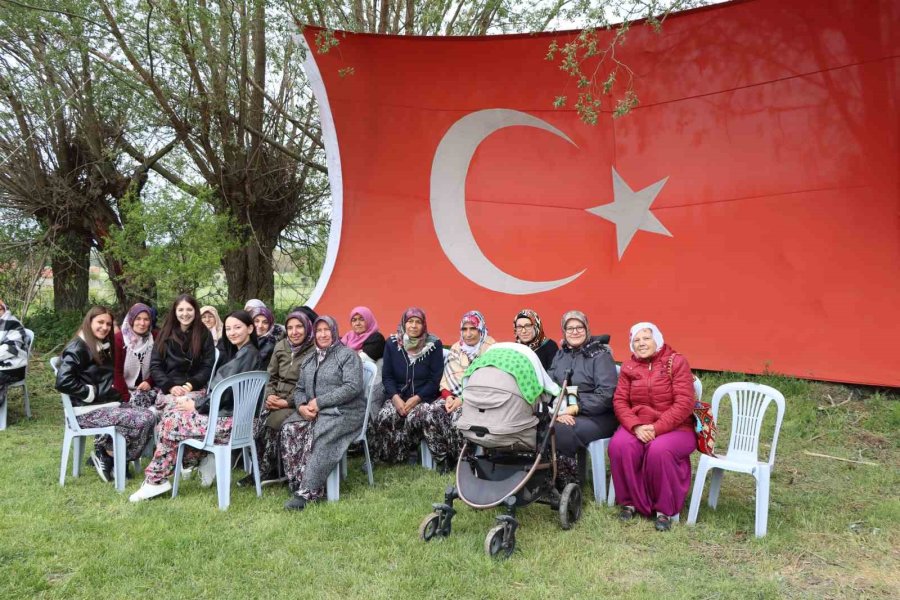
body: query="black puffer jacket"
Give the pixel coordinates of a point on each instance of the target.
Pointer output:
(594, 372)
(179, 366)
(86, 382)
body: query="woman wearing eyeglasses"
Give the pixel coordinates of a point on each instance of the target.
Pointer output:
(594, 376)
(529, 331)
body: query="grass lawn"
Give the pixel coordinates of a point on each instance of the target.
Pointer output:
(833, 527)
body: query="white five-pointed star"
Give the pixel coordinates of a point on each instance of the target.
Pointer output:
(630, 211)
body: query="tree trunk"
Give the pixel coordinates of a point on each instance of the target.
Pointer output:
(71, 263)
(249, 272)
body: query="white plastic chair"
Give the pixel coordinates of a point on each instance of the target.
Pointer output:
(333, 483)
(29, 342)
(598, 449)
(215, 364)
(749, 402)
(75, 433)
(246, 389)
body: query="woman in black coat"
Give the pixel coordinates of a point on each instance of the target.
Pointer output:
(85, 374)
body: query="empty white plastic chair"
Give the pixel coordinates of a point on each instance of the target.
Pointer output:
(333, 484)
(75, 434)
(29, 342)
(246, 389)
(749, 402)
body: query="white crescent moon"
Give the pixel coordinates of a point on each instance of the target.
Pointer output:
(448, 199)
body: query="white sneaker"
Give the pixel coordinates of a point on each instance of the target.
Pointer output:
(207, 470)
(150, 490)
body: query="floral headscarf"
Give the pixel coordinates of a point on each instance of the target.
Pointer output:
(476, 319)
(413, 346)
(527, 313)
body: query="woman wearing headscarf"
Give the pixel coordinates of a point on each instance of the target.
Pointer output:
(13, 351)
(133, 345)
(264, 321)
(411, 376)
(364, 336)
(210, 317)
(528, 330)
(331, 408)
(278, 404)
(85, 374)
(650, 454)
(593, 382)
(188, 417)
(277, 330)
(437, 421)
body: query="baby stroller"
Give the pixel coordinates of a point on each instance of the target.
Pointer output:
(508, 458)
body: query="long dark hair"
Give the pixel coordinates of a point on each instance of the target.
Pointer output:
(194, 333)
(244, 317)
(87, 334)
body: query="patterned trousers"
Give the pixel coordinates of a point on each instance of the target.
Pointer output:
(394, 437)
(175, 426)
(136, 424)
(268, 445)
(438, 427)
(296, 450)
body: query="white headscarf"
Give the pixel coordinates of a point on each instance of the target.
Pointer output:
(654, 331)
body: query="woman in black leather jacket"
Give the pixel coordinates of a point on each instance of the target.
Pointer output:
(182, 358)
(188, 416)
(86, 375)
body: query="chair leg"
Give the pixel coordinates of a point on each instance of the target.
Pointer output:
(223, 476)
(77, 455)
(697, 492)
(176, 480)
(248, 463)
(427, 459)
(3, 409)
(333, 484)
(368, 462)
(119, 461)
(597, 452)
(611, 499)
(762, 501)
(715, 483)
(64, 462)
(344, 466)
(27, 404)
(256, 478)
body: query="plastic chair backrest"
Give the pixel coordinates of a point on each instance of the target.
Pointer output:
(215, 364)
(698, 389)
(246, 389)
(68, 410)
(29, 342)
(749, 402)
(369, 372)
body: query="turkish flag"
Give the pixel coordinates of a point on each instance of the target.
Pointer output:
(749, 206)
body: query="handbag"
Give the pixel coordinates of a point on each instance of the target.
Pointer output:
(705, 426)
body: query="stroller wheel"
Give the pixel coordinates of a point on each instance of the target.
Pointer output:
(429, 527)
(570, 505)
(494, 544)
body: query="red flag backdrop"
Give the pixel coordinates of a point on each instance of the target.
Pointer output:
(749, 206)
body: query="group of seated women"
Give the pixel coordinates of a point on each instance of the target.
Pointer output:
(314, 404)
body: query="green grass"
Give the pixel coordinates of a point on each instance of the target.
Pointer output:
(833, 527)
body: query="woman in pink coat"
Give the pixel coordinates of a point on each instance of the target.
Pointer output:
(650, 453)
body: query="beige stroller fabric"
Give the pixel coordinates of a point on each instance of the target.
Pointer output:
(492, 400)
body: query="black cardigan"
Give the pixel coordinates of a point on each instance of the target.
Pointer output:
(374, 346)
(179, 366)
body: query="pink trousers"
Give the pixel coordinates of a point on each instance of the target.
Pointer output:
(653, 477)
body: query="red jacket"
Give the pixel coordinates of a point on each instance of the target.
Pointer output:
(119, 368)
(647, 395)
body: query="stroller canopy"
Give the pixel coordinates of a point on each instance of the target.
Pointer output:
(521, 363)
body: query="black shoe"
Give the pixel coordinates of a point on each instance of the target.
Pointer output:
(627, 513)
(103, 462)
(663, 523)
(295, 503)
(247, 481)
(129, 474)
